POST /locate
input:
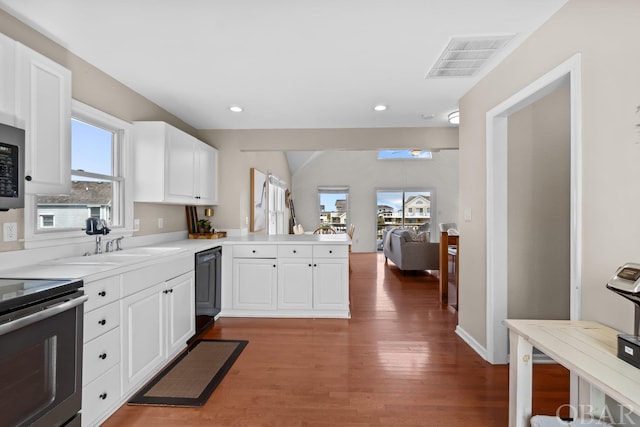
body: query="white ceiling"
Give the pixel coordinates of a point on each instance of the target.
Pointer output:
(288, 63)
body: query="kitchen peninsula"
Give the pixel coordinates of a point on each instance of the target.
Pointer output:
(286, 276)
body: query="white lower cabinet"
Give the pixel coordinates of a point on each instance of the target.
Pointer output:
(142, 335)
(290, 280)
(134, 323)
(295, 290)
(158, 322)
(254, 283)
(101, 353)
(180, 312)
(101, 396)
(330, 288)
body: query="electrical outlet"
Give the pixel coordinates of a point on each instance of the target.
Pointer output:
(10, 232)
(160, 222)
(136, 224)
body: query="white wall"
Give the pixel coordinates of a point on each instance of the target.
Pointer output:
(606, 34)
(364, 174)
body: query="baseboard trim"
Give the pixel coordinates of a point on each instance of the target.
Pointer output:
(471, 342)
(538, 358)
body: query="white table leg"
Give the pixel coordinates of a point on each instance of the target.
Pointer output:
(520, 380)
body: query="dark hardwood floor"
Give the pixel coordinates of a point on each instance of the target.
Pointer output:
(396, 362)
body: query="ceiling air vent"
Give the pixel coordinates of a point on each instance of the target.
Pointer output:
(464, 56)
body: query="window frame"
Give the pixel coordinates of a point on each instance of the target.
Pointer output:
(122, 159)
(334, 190)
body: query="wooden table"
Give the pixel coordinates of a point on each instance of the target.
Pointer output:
(588, 349)
(445, 241)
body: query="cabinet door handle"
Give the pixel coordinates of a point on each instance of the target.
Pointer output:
(103, 356)
(170, 291)
(309, 265)
(103, 396)
(294, 251)
(102, 322)
(330, 252)
(274, 266)
(102, 293)
(253, 251)
(315, 265)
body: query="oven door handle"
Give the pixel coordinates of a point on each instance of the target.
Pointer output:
(41, 315)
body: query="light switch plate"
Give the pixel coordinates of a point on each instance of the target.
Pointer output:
(466, 213)
(10, 232)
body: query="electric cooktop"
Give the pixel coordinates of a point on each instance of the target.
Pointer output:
(19, 293)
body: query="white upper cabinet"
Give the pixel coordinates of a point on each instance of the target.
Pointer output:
(43, 109)
(172, 166)
(208, 171)
(7, 80)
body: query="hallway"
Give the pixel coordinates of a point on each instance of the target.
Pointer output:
(396, 362)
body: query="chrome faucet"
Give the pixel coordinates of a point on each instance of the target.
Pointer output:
(99, 228)
(98, 244)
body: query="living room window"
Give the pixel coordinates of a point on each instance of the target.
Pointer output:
(334, 207)
(405, 209)
(98, 160)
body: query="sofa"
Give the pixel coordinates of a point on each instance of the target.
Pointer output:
(411, 251)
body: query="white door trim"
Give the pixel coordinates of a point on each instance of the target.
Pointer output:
(497, 200)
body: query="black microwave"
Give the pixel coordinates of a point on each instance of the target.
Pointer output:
(11, 167)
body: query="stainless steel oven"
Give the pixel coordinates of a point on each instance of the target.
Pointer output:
(40, 352)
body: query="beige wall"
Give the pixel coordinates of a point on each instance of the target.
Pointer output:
(339, 139)
(241, 150)
(363, 173)
(234, 202)
(606, 34)
(539, 209)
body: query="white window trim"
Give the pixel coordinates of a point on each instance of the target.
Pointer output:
(81, 111)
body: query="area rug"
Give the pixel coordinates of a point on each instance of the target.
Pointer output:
(192, 377)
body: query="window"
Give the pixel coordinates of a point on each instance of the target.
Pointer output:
(404, 154)
(98, 159)
(333, 203)
(47, 220)
(399, 209)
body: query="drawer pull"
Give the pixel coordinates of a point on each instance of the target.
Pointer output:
(102, 322)
(103, 356)
(330, 252)
(309, 265)
(274, 266)
(253, 251)
(103, 396)
(102, 293)
(315, 265)
(294, 251)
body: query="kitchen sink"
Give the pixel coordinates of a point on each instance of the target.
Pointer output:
(97, 262)
(116, 258)
(144, 251)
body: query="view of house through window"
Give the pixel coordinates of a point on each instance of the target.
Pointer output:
(407, 209)
(95, 184)
(334, 208)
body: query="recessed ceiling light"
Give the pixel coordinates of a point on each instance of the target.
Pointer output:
(380, 107)
(235, 109)
(454, 118)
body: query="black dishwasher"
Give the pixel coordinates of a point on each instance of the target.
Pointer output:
(208, 283)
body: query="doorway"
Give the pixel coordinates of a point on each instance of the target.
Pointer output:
(498, 201)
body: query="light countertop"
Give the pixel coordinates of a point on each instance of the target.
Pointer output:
(95, 267)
